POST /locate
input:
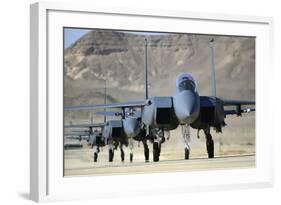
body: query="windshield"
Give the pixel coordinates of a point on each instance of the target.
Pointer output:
(187, 84)
(186, 81)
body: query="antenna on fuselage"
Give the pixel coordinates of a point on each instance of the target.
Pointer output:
(145, 70)
(213, 73)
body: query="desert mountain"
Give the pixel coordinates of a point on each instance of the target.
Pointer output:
(118, 58)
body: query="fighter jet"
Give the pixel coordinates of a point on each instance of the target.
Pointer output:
(118, 132)
(94, 138)
(77, 135)
(186, 108)
(133, 128)
(115, 133)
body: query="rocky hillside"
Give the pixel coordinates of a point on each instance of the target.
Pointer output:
(118, 58)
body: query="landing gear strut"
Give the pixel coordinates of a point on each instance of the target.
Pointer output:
(122, 153)
(111, 155)
(95, 157)
(209, 143)
(131, 146)
(131, 157)
(159, 139)
(146, 151)
(156, 151)
(96, 153)
(186, 153)
(185, 130)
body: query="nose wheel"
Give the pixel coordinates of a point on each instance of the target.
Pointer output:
(185, 130)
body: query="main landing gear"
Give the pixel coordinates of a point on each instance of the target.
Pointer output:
(146, 150)
(209, 143)
(111, 152)
(156, 151)
(157, 142)
(111, 155)
(122, 153)
(96, 153)
(131, 146)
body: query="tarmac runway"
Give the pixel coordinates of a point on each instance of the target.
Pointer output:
(222, 162)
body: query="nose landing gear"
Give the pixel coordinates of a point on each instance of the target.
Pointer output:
(185, 130)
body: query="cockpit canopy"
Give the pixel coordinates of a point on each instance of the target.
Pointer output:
(186, 81)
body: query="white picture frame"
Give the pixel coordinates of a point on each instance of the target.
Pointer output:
(46, 163)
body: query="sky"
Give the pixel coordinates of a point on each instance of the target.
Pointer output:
(71, 35)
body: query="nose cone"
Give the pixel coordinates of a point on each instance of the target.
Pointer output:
(131, 126)
(187, 106)
(106, 131)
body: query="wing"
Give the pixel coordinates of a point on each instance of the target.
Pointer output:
(85, 125)
(235, 112)
(103, 106)
(109, 113)
(237, 102)
(117, 113)
(75, 135)
(207, 101)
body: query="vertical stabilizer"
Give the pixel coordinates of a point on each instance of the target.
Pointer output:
(145, 71)
(213, 71)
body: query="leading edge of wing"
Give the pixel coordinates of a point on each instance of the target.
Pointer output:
(102, 106)
(85, 125)
(237, 102)
(235, 112)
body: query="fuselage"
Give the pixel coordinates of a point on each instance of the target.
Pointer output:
(181, 108)
(122, 130)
